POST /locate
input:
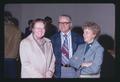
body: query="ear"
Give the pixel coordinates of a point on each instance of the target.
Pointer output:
(94, 35)
(71, 24)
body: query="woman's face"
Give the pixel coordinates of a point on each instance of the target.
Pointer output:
(88, 35)
(39, 29)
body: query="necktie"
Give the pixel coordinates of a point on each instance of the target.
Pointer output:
(65, 51)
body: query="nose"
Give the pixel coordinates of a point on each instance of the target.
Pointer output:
(40, 30)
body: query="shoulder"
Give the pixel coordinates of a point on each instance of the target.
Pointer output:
(56, 35)
(75, 34)
(26, 41)
(12, 30)
(77, 37)
(81, 46)
(10, 27)
(98, 45)
(47, 40)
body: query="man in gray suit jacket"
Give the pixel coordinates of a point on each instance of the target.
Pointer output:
(89, 56)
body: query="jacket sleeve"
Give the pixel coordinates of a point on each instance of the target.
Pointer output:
(28, 71)
(96, 66)
(75, 61)
(51, 69)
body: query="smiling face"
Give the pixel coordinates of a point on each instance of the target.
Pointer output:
(38, 29)
(64, 24)
(88, 35)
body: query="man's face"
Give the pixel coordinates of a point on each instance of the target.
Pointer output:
(64, 24)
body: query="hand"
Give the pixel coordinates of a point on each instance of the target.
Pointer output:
(86, 64)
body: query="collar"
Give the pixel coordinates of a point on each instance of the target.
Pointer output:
(90, 44)
(41, 41)
(68, 33)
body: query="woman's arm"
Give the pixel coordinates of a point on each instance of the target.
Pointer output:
(96, 63)
(50, 72)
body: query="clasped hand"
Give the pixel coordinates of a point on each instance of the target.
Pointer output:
(86, 64)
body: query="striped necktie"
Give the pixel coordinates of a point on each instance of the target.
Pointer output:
(65, 51)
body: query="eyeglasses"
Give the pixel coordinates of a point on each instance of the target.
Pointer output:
(64, 23)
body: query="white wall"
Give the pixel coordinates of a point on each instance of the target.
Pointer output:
(103, 14)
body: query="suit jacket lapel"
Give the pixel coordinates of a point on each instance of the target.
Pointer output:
(92, 49)
(36, 46)
(74, 45)
(58, 42)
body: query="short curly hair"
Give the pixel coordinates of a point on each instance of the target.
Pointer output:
(92, 26)
(37, 20)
